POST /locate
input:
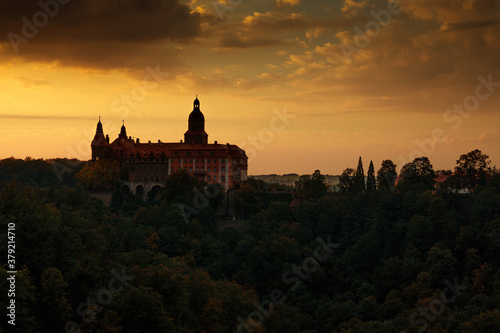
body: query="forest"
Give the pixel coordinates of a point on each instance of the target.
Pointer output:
(414, 251)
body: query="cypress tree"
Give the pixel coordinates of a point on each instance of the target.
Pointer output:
(370, 181)
(359, 179)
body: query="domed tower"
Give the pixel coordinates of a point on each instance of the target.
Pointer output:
(196, 126)
(123, 131)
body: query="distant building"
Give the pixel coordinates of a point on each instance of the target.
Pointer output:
(144, 165)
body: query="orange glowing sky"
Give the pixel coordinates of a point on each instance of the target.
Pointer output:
(380, 95)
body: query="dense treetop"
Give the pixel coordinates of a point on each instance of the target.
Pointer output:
(407, 255)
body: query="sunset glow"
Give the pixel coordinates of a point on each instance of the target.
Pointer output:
(376, 79)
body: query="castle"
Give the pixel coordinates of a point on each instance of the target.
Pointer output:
(146, 165)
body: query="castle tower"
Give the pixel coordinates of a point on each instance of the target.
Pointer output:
(100, 145)
(196, 126)
(123, 131)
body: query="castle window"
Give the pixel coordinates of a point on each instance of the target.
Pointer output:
(215, 178)
(197, 161)
(179, 161)
(196, 169)
(208, 169)
(223, 169)
(190, 169)
(208, 178)
(223, 178)
(215, 169)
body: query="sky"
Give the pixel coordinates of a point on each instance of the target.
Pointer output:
(300, 85)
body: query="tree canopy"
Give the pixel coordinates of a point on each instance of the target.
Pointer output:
(386, 175)
(309, 187)
(474, 166)
(413, 259)
(419, 173)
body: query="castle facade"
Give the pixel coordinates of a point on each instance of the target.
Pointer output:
(151, 162)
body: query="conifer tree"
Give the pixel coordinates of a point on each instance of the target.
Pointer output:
(370, 181)
(359, 179)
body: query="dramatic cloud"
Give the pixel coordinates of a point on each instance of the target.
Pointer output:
(287, 3)
(467, 25)
(451, 10)
(276, 22)
(346, 67)
(350, 8)
(104, 34)
(238, 42)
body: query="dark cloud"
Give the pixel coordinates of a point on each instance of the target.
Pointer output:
(233, 41)
(279, 22)
(468, 25)
(104, 34)
(275, 28)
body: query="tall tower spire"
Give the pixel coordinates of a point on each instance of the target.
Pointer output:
(99, 126)
(100, 145)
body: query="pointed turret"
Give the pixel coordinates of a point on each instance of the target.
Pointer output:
(99, 125)
(100, 144)
(99, 138)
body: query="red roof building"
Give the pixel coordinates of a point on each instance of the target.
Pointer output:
(215, 163)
